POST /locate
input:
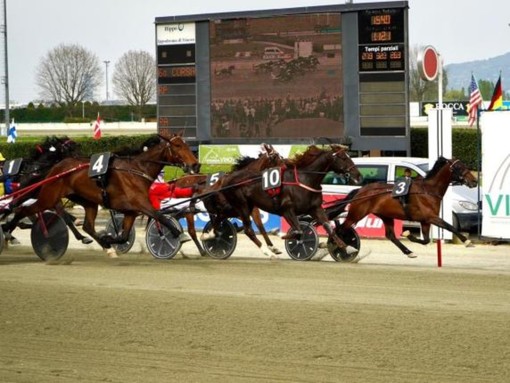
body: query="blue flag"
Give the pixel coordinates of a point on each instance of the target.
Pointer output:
(12, 134)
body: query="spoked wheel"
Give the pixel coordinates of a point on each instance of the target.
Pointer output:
(160, 241)
(121, 248)
(303, 249)
(224, 243)
(351, 238)
(49, 236)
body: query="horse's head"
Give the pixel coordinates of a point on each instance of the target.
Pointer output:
(269, 156)
(180, 152)
(461, 174)
(342, 163)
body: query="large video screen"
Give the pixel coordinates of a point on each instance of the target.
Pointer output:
(277, 77)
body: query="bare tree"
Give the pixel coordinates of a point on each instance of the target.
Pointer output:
(68, 75)
(134, 79)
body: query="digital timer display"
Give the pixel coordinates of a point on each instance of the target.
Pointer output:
(176, 74)
(381, 25)
(380, 20)
(381, 58)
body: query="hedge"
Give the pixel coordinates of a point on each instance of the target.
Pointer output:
(465, 145)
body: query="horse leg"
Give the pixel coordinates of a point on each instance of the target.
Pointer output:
(322, 218)
(389, 229)
(425, 229)
(255, 214)
(193, 233)
(69, 220)
(248, 230)
(445, 225)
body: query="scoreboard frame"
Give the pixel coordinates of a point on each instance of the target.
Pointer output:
(373, 74)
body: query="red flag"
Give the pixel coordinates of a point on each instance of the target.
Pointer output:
(97, 128)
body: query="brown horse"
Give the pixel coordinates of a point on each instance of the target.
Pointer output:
(298, 194)
(422, 205)
(216, 204)
(125, 189)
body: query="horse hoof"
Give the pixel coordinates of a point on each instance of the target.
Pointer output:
(468, 243)
(184, 238)
(111, 253)
(275, 250)
(267, 252)
(86, 240)
(323, 245)
(411, 255)
(406, 233)
(207, 236)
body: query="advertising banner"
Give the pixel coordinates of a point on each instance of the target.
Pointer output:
(496, 174)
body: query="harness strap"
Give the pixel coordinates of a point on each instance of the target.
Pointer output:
(300, 184)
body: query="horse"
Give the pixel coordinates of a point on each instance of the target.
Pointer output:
(124, 188)
(299, 192)
(422, 205)
(35, 168)
(216, 204)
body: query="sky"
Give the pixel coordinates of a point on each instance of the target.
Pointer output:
(460, 31)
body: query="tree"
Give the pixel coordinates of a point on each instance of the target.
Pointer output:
(68, 75)
(134, 78)
(421, 90)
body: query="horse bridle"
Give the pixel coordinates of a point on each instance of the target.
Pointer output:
(458, 173)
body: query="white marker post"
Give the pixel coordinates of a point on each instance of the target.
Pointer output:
(440, 135)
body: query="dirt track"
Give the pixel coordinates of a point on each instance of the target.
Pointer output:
(249, 320)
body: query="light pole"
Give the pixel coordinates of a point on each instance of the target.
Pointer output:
(106, 62)
(6, 64)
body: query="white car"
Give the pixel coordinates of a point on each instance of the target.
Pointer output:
(466, 212)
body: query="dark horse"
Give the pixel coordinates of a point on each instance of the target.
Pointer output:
(423, 204)
(299, 192)
(125, 189)
(216, 204)
(35, 168)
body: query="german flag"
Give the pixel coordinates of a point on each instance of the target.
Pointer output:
(497, 96)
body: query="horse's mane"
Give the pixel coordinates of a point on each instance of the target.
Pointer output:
(441, 161)
(305, 158)
(130, 151)
(242, 162)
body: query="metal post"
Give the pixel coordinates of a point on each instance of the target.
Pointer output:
(106, 62)
(6, 63)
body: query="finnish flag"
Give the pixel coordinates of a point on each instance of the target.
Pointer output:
(12, 134)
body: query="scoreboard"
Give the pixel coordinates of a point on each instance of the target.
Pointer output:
(340, 71)
(382, 65)
(176, 78)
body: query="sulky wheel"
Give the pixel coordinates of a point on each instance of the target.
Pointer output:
(121, 248)
(224, 243)
(160, 241)
(351, 238)
(303, 249)
(49, 236)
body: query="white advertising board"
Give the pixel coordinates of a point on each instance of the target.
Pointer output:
(495, 174)
(175, 34)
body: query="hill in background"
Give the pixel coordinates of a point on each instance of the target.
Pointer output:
(459, 75)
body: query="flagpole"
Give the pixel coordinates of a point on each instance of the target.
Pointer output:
(478, 170)
(6, 64)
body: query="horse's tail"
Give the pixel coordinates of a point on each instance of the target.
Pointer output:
(338, 208)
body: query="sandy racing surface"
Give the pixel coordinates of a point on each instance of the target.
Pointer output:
(249, 319)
